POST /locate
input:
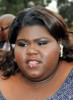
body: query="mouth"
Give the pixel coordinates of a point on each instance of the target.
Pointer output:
(33, 63)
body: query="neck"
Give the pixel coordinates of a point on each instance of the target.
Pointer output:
(38, 83)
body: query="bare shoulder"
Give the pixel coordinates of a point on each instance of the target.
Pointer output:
(1, 80)
(69, 64)
(65, 66)
(7, 86)
(8, 81)
(72, 64)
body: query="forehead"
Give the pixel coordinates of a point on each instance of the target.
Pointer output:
(3, 22)
(33, 32)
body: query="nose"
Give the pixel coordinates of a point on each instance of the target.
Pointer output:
(32, 50)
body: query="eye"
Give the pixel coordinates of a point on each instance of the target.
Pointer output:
(22, 44)
(40, 43)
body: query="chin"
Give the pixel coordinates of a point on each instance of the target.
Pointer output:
(33, 77)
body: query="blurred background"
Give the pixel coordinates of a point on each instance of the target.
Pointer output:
(63, 7)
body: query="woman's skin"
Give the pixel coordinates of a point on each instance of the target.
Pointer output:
(37, 54)
(34, 52)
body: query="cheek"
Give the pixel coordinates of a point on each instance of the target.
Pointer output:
(5, 32)
(51, 55)
(50, 59)
(19, 56)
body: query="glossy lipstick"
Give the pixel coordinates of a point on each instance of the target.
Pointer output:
(33, 63)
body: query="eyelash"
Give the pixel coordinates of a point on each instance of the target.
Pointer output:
(22, 44)
(41, 43)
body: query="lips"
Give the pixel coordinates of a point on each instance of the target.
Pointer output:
(33, 63)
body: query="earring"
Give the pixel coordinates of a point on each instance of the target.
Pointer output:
(61, 51)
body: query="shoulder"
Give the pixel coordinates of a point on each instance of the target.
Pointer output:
(66, 65)
(64, 69)
(6, 83)
(0, 80)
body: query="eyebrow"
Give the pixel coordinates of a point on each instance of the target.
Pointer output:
(21, 40)
(41, 38)
(25, 40)
(2, 29)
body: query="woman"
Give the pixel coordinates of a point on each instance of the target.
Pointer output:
(41, 65)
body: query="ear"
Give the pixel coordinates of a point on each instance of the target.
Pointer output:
(60, 42)
(61, 47)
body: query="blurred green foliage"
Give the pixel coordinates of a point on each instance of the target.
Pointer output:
(11, 6)
(66, 10)
(14, 6)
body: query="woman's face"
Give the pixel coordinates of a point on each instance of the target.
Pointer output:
(36, 52)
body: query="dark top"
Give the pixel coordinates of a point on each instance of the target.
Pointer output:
(65, 92)
(1, 44)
